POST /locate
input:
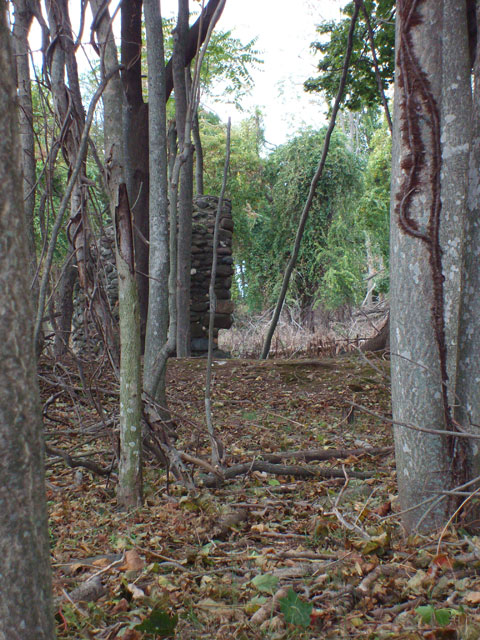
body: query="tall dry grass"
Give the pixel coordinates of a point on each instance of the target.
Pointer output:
(299, 334)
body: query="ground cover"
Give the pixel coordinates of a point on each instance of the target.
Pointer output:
(310, 549)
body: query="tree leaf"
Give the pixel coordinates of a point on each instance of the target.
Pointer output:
(426, 613)
(443, 616)
(160, 623)
(265, 582)
(295, 610)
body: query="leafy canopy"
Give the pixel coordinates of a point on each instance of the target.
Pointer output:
(361, 88)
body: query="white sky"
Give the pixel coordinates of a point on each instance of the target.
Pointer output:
(285, 29)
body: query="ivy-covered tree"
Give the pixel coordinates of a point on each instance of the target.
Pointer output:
(289, 170)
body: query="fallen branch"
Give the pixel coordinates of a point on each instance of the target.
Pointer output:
(280, 470)
(79, 462)
(325, 454)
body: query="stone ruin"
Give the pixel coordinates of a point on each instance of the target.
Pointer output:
(202, 252)
(84, 333)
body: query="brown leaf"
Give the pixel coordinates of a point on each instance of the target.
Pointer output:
(384, 509)
(131, 634)
(473, 597)
(441, 634)
(133, 561)
(121, 606)
(442, 560)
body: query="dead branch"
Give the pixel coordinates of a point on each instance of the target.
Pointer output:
(79, 462)
(281, 470)
(325, 454)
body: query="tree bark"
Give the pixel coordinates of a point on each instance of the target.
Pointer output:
(196, 37)
(185, 198)
(65, 306)
(21, 28)
(427, 165)
(130, 486)
(157, 321)
(136, 146)
(25, 585)
(468, 373)
(71, 118)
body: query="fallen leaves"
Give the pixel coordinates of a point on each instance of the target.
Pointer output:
(264, 556)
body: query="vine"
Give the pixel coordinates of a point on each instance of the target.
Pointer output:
(418, 103)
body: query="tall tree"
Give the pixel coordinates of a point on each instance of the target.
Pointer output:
(25, 585)
(130, 466)
(136, 114)
(21, 28)
(431, 145)
(184, 261)
(157, 321)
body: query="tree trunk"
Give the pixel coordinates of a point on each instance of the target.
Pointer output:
(136, 145)
(423, 348)
(21, 28)
(157, 323)
(467, 390)
(65, 306)
(25, 585)
(71, 118)
(130, 486)
(185, 197)
(197, 141)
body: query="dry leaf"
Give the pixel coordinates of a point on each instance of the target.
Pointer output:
(136, 592)
(133, 562)
(121, 606)
(473, 597)
(131, 634)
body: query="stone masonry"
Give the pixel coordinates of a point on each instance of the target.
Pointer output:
(84, 335)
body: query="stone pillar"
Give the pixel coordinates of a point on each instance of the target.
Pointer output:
(204, 212)
(85, 337)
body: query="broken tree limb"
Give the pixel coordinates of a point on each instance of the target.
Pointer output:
(78, 462)
(324, 454)
(281, 470)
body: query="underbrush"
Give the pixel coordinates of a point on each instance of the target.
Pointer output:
(315, 333)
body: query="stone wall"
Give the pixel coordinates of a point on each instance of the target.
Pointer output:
(84, 334)
(202, 252)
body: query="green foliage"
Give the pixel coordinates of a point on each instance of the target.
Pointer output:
(246, 186)
(225, 75)
(429, 614)
(361, 88)
(289, 171)
(266, 583)
(296, 610)
(374, 207)
(159, 623)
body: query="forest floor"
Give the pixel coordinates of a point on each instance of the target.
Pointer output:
(276, 552)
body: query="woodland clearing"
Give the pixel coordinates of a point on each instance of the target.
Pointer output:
(273, 552)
